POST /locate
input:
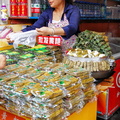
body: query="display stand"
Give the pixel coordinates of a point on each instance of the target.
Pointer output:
(87, 113)
(109, 99)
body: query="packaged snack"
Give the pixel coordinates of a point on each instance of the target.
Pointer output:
(7, 77)
(12, 67)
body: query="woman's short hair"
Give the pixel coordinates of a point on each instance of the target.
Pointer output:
(69, 1)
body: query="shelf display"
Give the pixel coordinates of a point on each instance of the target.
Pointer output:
(90, 9)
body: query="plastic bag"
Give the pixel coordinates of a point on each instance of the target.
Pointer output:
(24, 38)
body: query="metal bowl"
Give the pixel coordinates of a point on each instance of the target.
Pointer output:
(102, 74)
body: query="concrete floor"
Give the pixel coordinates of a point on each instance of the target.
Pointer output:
(115, 116)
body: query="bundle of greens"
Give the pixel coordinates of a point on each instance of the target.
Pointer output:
(93, 41)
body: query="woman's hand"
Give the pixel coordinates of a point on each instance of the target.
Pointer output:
(44, 31)
(11, 36)
(2, 61)
(8, 38)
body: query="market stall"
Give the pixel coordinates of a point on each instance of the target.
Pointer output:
(39, 83)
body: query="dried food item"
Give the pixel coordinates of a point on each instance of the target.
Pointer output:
(39, 47)
(26, 62)
(5, 51)
(27, 56)
(7, 77)
(66, 81)
(23, 69)
(34, 74)
(2, 72)
(93, 41)
(41, 56)
(18, 82)
(90, 79)
(11, 61)
(89, 64)
(39, 63)
(48, 78)
(47, 92)
(12, 67)
(48, 58)
(13, 53)
(77, 72)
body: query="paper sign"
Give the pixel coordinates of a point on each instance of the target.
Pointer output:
(49, 40)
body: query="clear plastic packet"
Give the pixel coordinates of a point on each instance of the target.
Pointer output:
(26, 111)
(87, 86)
(12, 67)
(67, 80)
(7, 77)
(18, 82)
(59, 67)
(89, 94)
(90, 79)
(2, 101)
(11, 61)
(69, 103)
(47, 92)
(23, 69)
(77, 72)
(48, 58)
(34, 74)
(50, 79)
(2, 72)
(39, 63)
(25, 62)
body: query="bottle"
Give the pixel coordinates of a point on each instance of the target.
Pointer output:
(32, 7)
(44, 4)
(36, 8)
(4, 15)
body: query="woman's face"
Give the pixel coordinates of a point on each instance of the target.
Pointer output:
(55, 3)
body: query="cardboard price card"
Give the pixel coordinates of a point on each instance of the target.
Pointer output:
(49, 40)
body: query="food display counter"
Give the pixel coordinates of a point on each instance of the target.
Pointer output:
(87, 113)
(42, 84)
(27, 67)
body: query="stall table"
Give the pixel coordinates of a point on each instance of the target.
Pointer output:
(87, 113)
